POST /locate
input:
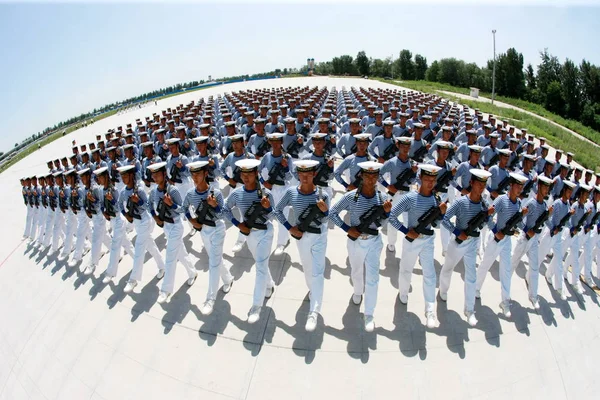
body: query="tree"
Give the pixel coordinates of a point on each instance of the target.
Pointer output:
(406, 67)
(530, 77)
(510, 80)
(433, 72)
(449, 71)
(554, 101)
(381, 68)
(548, 71)
(420, 67)
(571, 89)
(362, 63)
(590, 81)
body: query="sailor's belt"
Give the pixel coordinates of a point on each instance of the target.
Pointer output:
(366, 236)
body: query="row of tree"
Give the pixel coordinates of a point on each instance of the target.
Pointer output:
(567, 89)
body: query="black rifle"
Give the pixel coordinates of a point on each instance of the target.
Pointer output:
(594, 221)
(441, 186)
(537, 227)
(109, 209)
(162, 153)
(277, 174)
(294, 148)
(62, 202)
(304, 131)
(374, 215)
(561, 224)
(428, 218)
(164, 215)
(329, 145)
(175, 174)
(527, 189)
(357, 178)
(493, 160)
(262, 149)
(310, 214)
(254, 217)
(133, 207)
(513, 162)
(420, 154)
(389, 151)
(428, 137)
(402, 179)
(210, 177)
(475, 223)
(323, 174)
(379, 132)
(249, 134)
(503, 185)
(509, 228)
(205, 213)
(75, 201)
(185, 150)
(114, 174)
(44, 200)
(88, 206)
(579, 224)
(148, 177)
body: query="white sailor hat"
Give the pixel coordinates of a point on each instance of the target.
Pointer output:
(404, 140)
(180, 128)
(354, 120)
(289, 120)
(494, 136)
(300, 110)
(378, 112)
(570, 154)
(247, 165)
(480, 174)
(160, 131)
(362, 137)
(541, 138)
(428, 169)
(306, 165)
(442, 144)
(518, 178)
(370, 167)
(172, 141)
(249, 114)
(259, 120)
(157, 166)
(125, 147)
(446, 128)
(69, 172)
(230, 123)
(57, 174)
(204, 126)
(275, 136)
(318, 136)
(323, 120)
(426, 117)
(101, 171)
(83, 171)
(235, 138)
(585, 187)
(126, 168)
(529, 157)
(146, 144)
(200, 139)
(569, 184)
(389, 123)
(197, 166)
(475, 148)
(471, 132)
(170, 121)
(418, 125)
(504, 152)
(549, 161)
(274, 112)
(545, 181)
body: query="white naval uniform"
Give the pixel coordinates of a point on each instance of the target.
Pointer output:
(119, 239)
(58, 227)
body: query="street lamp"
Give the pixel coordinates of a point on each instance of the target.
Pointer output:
(494, 70)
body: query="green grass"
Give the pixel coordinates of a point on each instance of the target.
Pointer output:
(426, 86)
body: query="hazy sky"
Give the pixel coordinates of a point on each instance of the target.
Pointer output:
(61, 60)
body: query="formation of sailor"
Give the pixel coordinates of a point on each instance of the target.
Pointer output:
(367, 160)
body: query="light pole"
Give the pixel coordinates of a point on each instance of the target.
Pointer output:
(494, 70)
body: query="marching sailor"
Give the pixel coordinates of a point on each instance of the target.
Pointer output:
(93, 207)
(58, 229)
(590, 236)
(351, 162)
(367, 208)
(207, 204)
(255, 204)
(311, 205)
(424, 209)
(78, 202)
(69, 214)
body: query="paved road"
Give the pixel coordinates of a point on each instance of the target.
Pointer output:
(66, 336)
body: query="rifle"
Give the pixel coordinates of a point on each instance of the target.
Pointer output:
(537, 227)
(493, 160)
(52, 199)
(44, 199)
(294, 148)
(428, 218)
(62, 202)
(323, 174)
(205, 214)
(75, 201)
(114, 174)
(420, 154)
(527, 189)
(109, 209)
(89, 208)
(389, 151)
(310, 214)
(403, 177)
(428, 137)
(561, 224)
(132, 207)
(509, 228)
(502, 185)
(328, 145)
(277, 174)
(441, 186)
(163, 213)
(579, 224)
(374, 215)
(174, 172)
(148, 177)
(262, 148)
(513, 162)
(594, 221)
(475, 223)
(256, 212)
(304, 131)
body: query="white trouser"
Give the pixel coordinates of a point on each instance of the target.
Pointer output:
(49, 225)
(392, 233)
(144, 242)
(58, 229)
(99, 236)
(70, 229)
(83, 232)
(422, 247)
(445, 233)
(573, 256)
(283, 236)
(41, 223)
(312, 247)
(364, 264)
(548, 242)
(494, 249)
(260, 243)
(467, 251)
(119, 239)
(30, 221)
(236, 213)
(214, 239)
(175, 252)
(585, 259)
(531, 248)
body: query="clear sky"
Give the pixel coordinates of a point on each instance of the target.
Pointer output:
(61, 60)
